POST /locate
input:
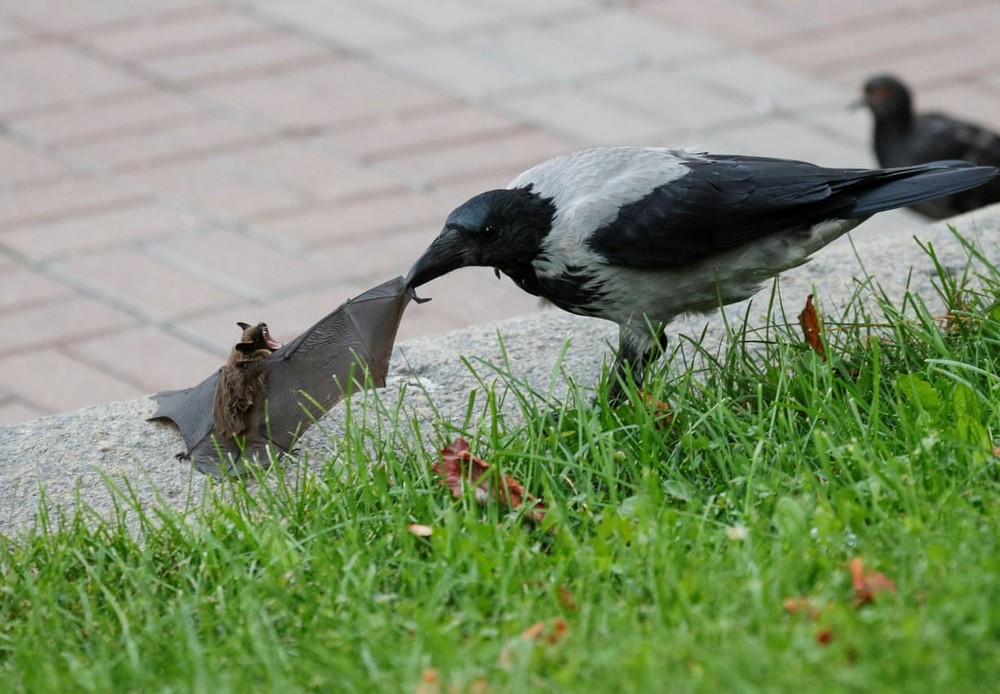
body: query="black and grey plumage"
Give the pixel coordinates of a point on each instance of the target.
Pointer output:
(641, 235)
(904, 138)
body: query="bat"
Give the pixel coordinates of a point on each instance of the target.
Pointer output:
(302, 380)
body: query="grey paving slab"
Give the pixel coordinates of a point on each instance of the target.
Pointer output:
(583, 116)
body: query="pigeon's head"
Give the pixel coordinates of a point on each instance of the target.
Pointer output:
(255, 338)
(887, 97)
(499, 228)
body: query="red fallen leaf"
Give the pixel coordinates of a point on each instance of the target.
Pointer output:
(565, 598)
(811, 327)
(867, 584)
(824, 637)
(458, 467)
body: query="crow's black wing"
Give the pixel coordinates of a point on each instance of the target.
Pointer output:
(725, 201)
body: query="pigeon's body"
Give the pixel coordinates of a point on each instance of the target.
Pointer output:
(641, 235)
(904, 138)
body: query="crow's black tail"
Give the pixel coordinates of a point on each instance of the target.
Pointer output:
(891, 188)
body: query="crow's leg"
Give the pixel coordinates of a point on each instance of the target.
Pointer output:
(637, 349)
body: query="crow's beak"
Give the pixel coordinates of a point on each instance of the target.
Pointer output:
(441, 257)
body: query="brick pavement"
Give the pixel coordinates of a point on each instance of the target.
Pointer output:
(173, 166)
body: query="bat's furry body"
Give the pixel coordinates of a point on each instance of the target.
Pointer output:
(242, 388)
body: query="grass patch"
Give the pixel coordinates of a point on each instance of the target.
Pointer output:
(669, 549)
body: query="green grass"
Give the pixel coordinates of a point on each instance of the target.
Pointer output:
(677, 540)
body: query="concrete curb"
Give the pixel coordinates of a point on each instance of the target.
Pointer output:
(72, 454)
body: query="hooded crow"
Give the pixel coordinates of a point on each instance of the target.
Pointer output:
(641, 235)
(903, 138)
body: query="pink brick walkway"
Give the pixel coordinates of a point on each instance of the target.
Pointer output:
(171, 167)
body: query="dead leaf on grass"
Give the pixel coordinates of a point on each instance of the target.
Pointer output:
(458, 469)
(812, 328)
(868, 584)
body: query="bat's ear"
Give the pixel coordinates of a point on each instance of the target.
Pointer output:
(243, 326)
(245, 347)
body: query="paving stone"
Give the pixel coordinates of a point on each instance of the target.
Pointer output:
(44, 75)
(295, 165)
(157, 35)
(23, 166)
(342, 22)
(393, 134)
(169, 141)
(66, 197)
(13, 411)
(731, 22)
(367, 218)
(682, 103)
(81, 234)
(59, 323)
(260, 54)
(152, 359)
(950, 63)
(596, 120)
(628, 38)
(51, 380)
(468, 70)
(366, 261)
(341, 91)
(133, 278)
(219, 188)
(765, 85)
(74, 16)
(23, 288)
(504, 155)
(234, 258)
(104, 119)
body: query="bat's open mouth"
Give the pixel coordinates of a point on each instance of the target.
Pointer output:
(271, 344)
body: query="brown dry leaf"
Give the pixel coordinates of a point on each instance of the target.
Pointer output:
(420, 530)
(430, 682)
(824, 637)
(811, 327)
(458, 468)
(867, 584)
(661, 412)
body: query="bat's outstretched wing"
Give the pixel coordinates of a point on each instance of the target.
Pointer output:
(307, 377)
(190, 409)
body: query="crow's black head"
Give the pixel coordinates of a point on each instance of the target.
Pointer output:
(499, 228)
(888, 98)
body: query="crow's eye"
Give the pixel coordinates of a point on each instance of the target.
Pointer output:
(491, 229)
